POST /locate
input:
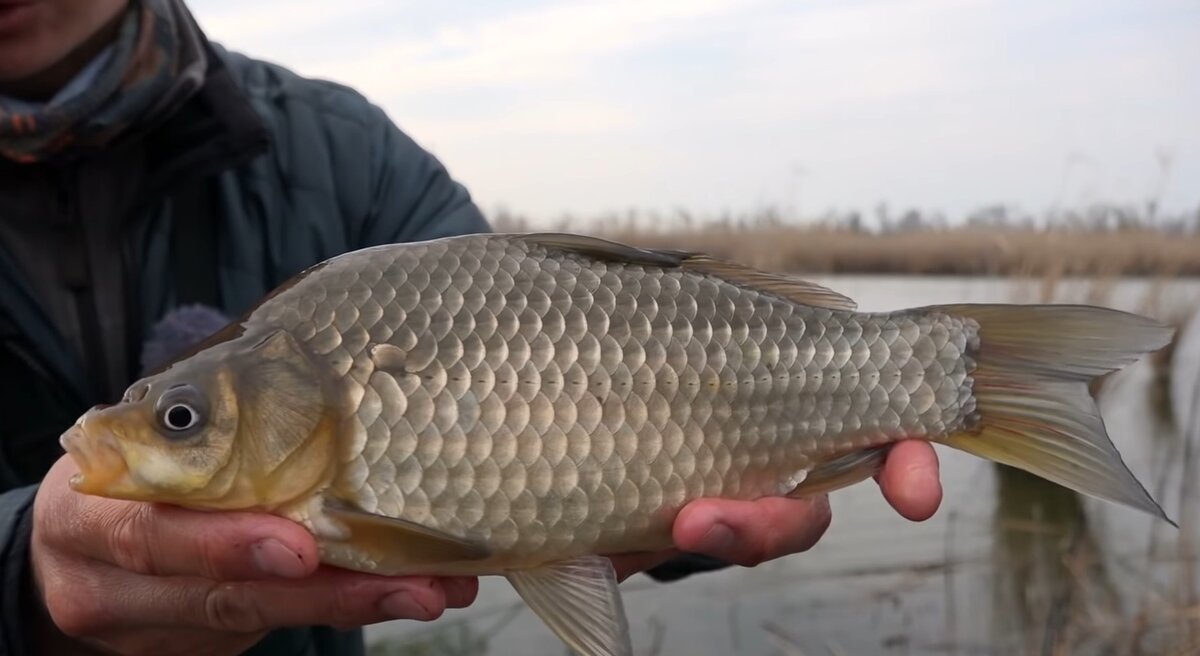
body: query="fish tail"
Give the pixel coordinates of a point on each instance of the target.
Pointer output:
(1034, 409)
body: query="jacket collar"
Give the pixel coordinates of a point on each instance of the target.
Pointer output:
(216, 130)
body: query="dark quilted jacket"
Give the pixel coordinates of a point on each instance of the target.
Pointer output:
(293, 170)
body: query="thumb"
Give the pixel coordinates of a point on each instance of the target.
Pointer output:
(163, 540)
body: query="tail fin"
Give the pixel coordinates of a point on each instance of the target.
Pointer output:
(1031, 390)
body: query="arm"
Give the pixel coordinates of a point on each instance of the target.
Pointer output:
(413, 196)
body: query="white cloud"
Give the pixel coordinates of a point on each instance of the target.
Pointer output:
(590, 106)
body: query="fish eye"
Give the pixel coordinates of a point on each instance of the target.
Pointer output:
(181, 416)
(181, 410)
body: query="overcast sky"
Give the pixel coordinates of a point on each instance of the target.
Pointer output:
(732, 105)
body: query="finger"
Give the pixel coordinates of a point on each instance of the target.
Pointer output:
(910, 480)
(164, 540)
(461, 591)
(751, 532)
(330, 597)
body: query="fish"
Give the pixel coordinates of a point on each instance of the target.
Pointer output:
(525, 404)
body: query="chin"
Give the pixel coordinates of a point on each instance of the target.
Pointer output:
(18, 63)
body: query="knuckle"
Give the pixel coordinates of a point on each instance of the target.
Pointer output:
(129, 542)
(229, 607)
(75, 610)
(344, 605)
(209, 559)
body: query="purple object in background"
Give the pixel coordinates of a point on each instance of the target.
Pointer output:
(178, 331)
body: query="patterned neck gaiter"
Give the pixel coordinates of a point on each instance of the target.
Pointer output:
(157, 63)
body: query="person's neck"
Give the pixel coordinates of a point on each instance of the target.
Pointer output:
(43, 85)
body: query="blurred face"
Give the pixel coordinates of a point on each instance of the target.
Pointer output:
(37, 36)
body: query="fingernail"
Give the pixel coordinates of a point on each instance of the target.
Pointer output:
(403, 606)
(273, 558)
(718, 540)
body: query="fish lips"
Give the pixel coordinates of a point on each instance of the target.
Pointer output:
(103, 470)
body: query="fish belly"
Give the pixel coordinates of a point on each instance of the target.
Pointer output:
(549, 405)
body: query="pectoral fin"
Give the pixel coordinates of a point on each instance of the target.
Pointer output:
(397, 543)
(841, 472)
(579, 600)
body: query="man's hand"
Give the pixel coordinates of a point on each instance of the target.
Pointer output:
(752, 532)
(146, 579)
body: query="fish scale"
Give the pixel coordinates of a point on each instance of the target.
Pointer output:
(510, 350)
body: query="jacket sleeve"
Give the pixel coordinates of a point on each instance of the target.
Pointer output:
(16, 590)
(413, 197)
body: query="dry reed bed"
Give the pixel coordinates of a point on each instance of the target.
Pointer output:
(966, 251)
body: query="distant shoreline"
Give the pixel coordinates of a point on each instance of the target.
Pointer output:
(1052, 253)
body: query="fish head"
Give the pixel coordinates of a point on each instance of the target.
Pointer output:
(167, 437)
(242, 425)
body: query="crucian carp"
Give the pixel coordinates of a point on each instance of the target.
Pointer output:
(523, 404)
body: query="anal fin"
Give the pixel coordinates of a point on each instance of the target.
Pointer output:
(842, 471)
(580, 601)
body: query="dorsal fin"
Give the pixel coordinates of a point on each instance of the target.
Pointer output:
(606, 250)
(793, 289)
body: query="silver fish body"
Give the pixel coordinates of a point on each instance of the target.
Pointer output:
(521, 405)
(549, 405)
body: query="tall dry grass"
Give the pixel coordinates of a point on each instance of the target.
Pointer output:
(1108, 244)
(1052, 253)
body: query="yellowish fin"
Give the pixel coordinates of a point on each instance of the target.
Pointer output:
(1031, 390)
(841, 472)
(395, 543)
(579, 600)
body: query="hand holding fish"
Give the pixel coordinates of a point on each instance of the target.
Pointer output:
(752, 532)
(136, 578)
(247, 573)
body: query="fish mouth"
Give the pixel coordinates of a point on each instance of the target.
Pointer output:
(102, 468)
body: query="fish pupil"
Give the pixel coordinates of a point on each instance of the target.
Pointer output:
(180, 417)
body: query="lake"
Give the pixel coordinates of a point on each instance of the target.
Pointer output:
(1009, 565)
